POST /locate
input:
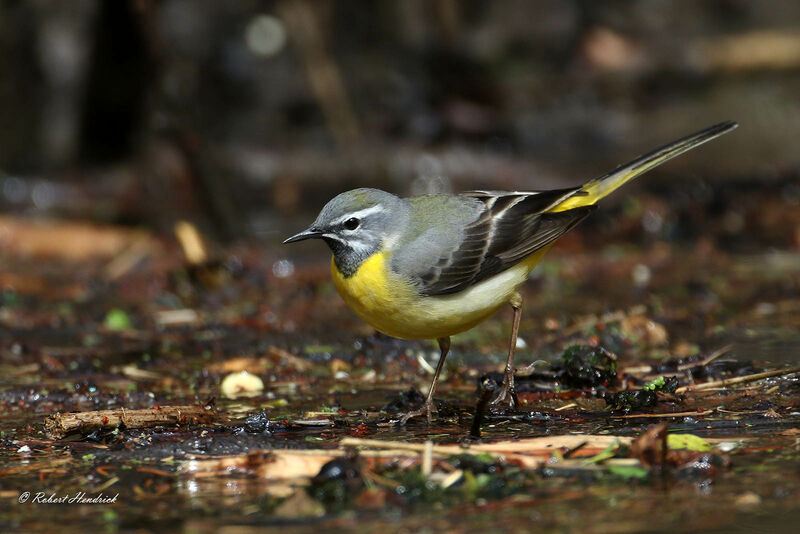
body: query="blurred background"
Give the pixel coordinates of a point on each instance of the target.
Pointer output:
(245, 117)
(155, 153)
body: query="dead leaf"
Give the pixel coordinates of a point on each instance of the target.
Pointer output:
(650, 448)
(299, 505)
(68, 240)
(645, 329)
(371, 499)
(269, 465)
(283, 356)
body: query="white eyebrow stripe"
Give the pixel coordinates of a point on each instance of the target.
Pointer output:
(360, 214)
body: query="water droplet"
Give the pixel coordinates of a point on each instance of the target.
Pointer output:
(283, 268)
(44, 195)
(265, 35)
(641, 274)
(15, 190)
(652, 221)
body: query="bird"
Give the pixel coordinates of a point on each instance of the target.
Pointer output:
(435, 265)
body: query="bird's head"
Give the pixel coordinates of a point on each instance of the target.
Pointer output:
(356, 224)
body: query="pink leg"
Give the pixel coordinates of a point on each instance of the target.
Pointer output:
(444, 347)
(507, 393)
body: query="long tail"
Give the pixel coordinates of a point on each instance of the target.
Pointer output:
(598, 188)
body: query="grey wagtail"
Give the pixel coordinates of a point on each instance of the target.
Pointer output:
(431, 266)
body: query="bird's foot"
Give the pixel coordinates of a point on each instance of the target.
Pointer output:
(507, 394)
(426, 410)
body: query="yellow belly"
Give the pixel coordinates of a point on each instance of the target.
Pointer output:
(391, 305)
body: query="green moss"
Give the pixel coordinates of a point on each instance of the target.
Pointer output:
(117, 319)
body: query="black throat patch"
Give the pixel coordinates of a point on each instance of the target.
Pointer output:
(346, 258)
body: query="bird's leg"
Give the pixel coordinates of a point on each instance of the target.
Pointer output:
(444, 347)
(507, 392)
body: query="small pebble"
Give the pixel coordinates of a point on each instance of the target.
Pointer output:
(241, 384)
(748, 499)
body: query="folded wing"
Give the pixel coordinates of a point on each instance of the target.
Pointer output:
(511, 226)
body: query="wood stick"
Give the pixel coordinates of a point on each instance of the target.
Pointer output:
(62, 424)
(693, 413)
(647, 369)
(305, 463)
(710, 358)
(542, 445)
(427, 459)
(567, 406)
(382, 444)
(738, 380)
(191, 242)
(296, 362)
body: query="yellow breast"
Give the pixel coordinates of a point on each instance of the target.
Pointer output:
(392, 305)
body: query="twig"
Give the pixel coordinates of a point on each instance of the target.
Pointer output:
(739, 412)
(19, 370)
(487, 389)
(128, 259)
(662, 415)
(131, 371)
(424, 364)
(647, 369)
(153, 471)
(305, 463)
(542, 445)
(107, 484)
(380, 480)
(427, 459)
(451, 479)
(45, 463)
(191, 242)
(708, 359)
(62, 424)
(176, 317)
(381, 444)
(637, 370)
(738, 380)
(566, 406)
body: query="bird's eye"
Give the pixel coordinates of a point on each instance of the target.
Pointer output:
(351, 223)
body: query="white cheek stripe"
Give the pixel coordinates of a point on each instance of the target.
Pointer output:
(360, 214)
(335, 237)
(357, 246)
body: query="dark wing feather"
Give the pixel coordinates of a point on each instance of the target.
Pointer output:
(512, 226)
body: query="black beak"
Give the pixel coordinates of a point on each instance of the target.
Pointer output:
(305, 234)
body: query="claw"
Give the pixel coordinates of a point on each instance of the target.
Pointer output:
(426, 410)
(507, 395)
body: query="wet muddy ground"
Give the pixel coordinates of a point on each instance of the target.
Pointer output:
(656, 374)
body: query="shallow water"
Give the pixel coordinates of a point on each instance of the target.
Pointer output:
(644, 302)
